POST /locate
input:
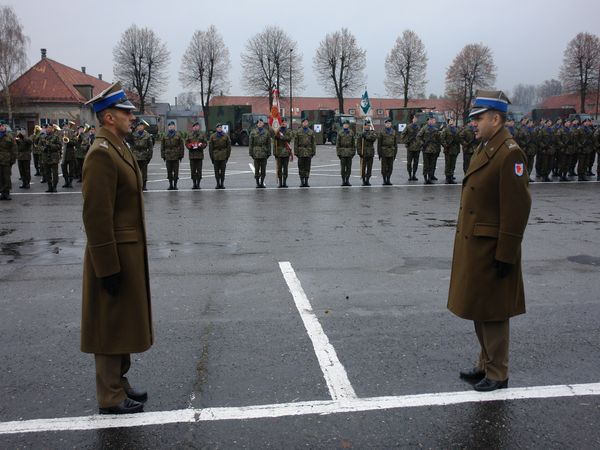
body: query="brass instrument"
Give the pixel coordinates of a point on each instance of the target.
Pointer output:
(66, 140)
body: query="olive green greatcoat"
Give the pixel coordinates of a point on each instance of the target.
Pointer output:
(345, 144)
(113, 217)
(494, 209)
(24, 148)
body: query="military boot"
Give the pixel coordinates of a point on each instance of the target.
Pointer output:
(257, 183)
(364, 181)
(175, 185)
(144, 187)
(306, 182)
(262, 182)
(367, 182)
(285, 182)
(222, 181)
(170, 188)
(449, 180)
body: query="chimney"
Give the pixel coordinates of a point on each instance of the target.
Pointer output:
(99, 76)
(83, 69)
(43, 53)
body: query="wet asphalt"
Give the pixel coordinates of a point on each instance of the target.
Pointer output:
(375, 265)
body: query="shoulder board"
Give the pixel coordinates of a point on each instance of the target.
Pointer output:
(103, 143)
(510, 143)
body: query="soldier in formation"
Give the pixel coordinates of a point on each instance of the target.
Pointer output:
(451, 143)
(53, 144)
(260, 150)
(171, 151)
(429, 138)
(196, 143)
(387, 149)
(24, 149)
(469, 143)
(305, 146)
(68, 162)
(282, 150)
(82, 145)
(345, 149)
(219, 150)
(142, 147)
(413, 149)
(365, 147)
(36, 149)
(8, 156)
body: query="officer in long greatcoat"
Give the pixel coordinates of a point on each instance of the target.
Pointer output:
(116, 314)
(486, 284)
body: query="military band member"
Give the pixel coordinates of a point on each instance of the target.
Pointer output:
(37, 149)
(116, 317)
(387, 149)
(196, 143)
(68, 163)
(260, 149)
(486, 283)
(282, 150)
(429, 139)
(345, 149)
(53, 145)
(305, 147)
(469, 142)
(365, 148)
(79, 151)
(219, 150)
(8, 156)
(413, 148)
(451, 143)
(143, 149)
(171, 151)
(24, 148)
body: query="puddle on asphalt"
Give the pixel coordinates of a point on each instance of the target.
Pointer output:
(585, 259)
(43, 252)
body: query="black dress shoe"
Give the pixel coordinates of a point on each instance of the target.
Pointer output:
(137, 395)
(487, 385)
(473, 374)
(127, 406)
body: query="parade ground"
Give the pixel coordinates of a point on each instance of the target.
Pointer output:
(302, 318)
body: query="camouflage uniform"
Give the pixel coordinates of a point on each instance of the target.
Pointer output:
(345, 150)
(413, 150)
(260, 150)
(52, 149)
(597, 144)
(283, 140)
(305, 146)
(584, 138)
(196, 143)
(525, 139)
(82, 145)
(142, 148)
(563, 145)
(365, 148)
(37, 153)
(387, 149)
(469, 143)
(547, 141)
(219, 150)
(24, 145)
(68, 163)
(171, 151)
(451, 142)
(8, 156)
(429, 139)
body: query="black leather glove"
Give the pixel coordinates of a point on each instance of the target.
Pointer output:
(112, 283)
(502, 268)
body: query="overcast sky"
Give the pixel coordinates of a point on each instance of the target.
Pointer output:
(527, 37)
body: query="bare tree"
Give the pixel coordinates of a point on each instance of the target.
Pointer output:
(524, 95)
(141, 62)
(547, 89)
(473, 68)
(581, 62)
(339, 64)
(405, 67)
(187, 99)
(267, 60)
(13, 56)
(205, 65)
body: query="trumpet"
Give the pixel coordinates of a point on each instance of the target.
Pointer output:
(66, 140)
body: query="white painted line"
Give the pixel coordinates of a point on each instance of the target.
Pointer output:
(252, 167)
(333, 371)
(324, 407)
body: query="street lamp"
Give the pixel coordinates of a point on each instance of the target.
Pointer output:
(291, 105)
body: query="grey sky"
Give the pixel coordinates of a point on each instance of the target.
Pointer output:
(527, 38)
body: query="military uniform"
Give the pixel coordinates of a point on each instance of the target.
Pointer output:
(413, 150)
(365, 148)
(305, 147)
(282, 151)
(597, 145)
(345, 147)
(143, 149)
(486, 283)
(24, 149)
(469, 142)
(387, 149)
(82, 145)
(547, 150)
(260, 150)
(429, 139)
(564, 142)
(171, 151)
(52, 149)
(116, 318)
(196, 143)
(219, 150)
(526, 139)
(451, 142)
(585, 144)
(37, 151)
(68, 162)
(8, 156)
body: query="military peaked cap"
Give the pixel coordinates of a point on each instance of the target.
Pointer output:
(489, 100)
(112, 97)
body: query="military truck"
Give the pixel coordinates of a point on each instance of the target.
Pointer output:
(249, 121)
(231, 117)
(322, 117)
(440, 119)
(401, 117)
(551, 113)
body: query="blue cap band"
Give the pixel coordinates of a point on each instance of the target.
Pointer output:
(108, 101)
(490, 103)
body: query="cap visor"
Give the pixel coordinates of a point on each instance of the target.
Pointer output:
(476, 111)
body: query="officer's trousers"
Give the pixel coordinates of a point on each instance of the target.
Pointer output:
(530, 163)
(68, 170)
(25, 171)
(79, 168)
(429, 164)
(36, 163)
(493, 339)
(143, 163)
(111, 383)
(173, 170)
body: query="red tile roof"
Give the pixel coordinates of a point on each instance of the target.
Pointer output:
(571, 101)
(49, 81)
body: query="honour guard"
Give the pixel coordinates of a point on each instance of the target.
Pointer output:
(260, 150)
(282, 150)
(387, 149)
(345, 149)
(196, 143)
(365, 147)
(143, 149)
(305, 146)
(219, 150)
(171, 151)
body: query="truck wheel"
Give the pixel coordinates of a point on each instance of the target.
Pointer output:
(244, 140)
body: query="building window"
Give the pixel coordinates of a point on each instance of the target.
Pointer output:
(351, 111)
(380, 112)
